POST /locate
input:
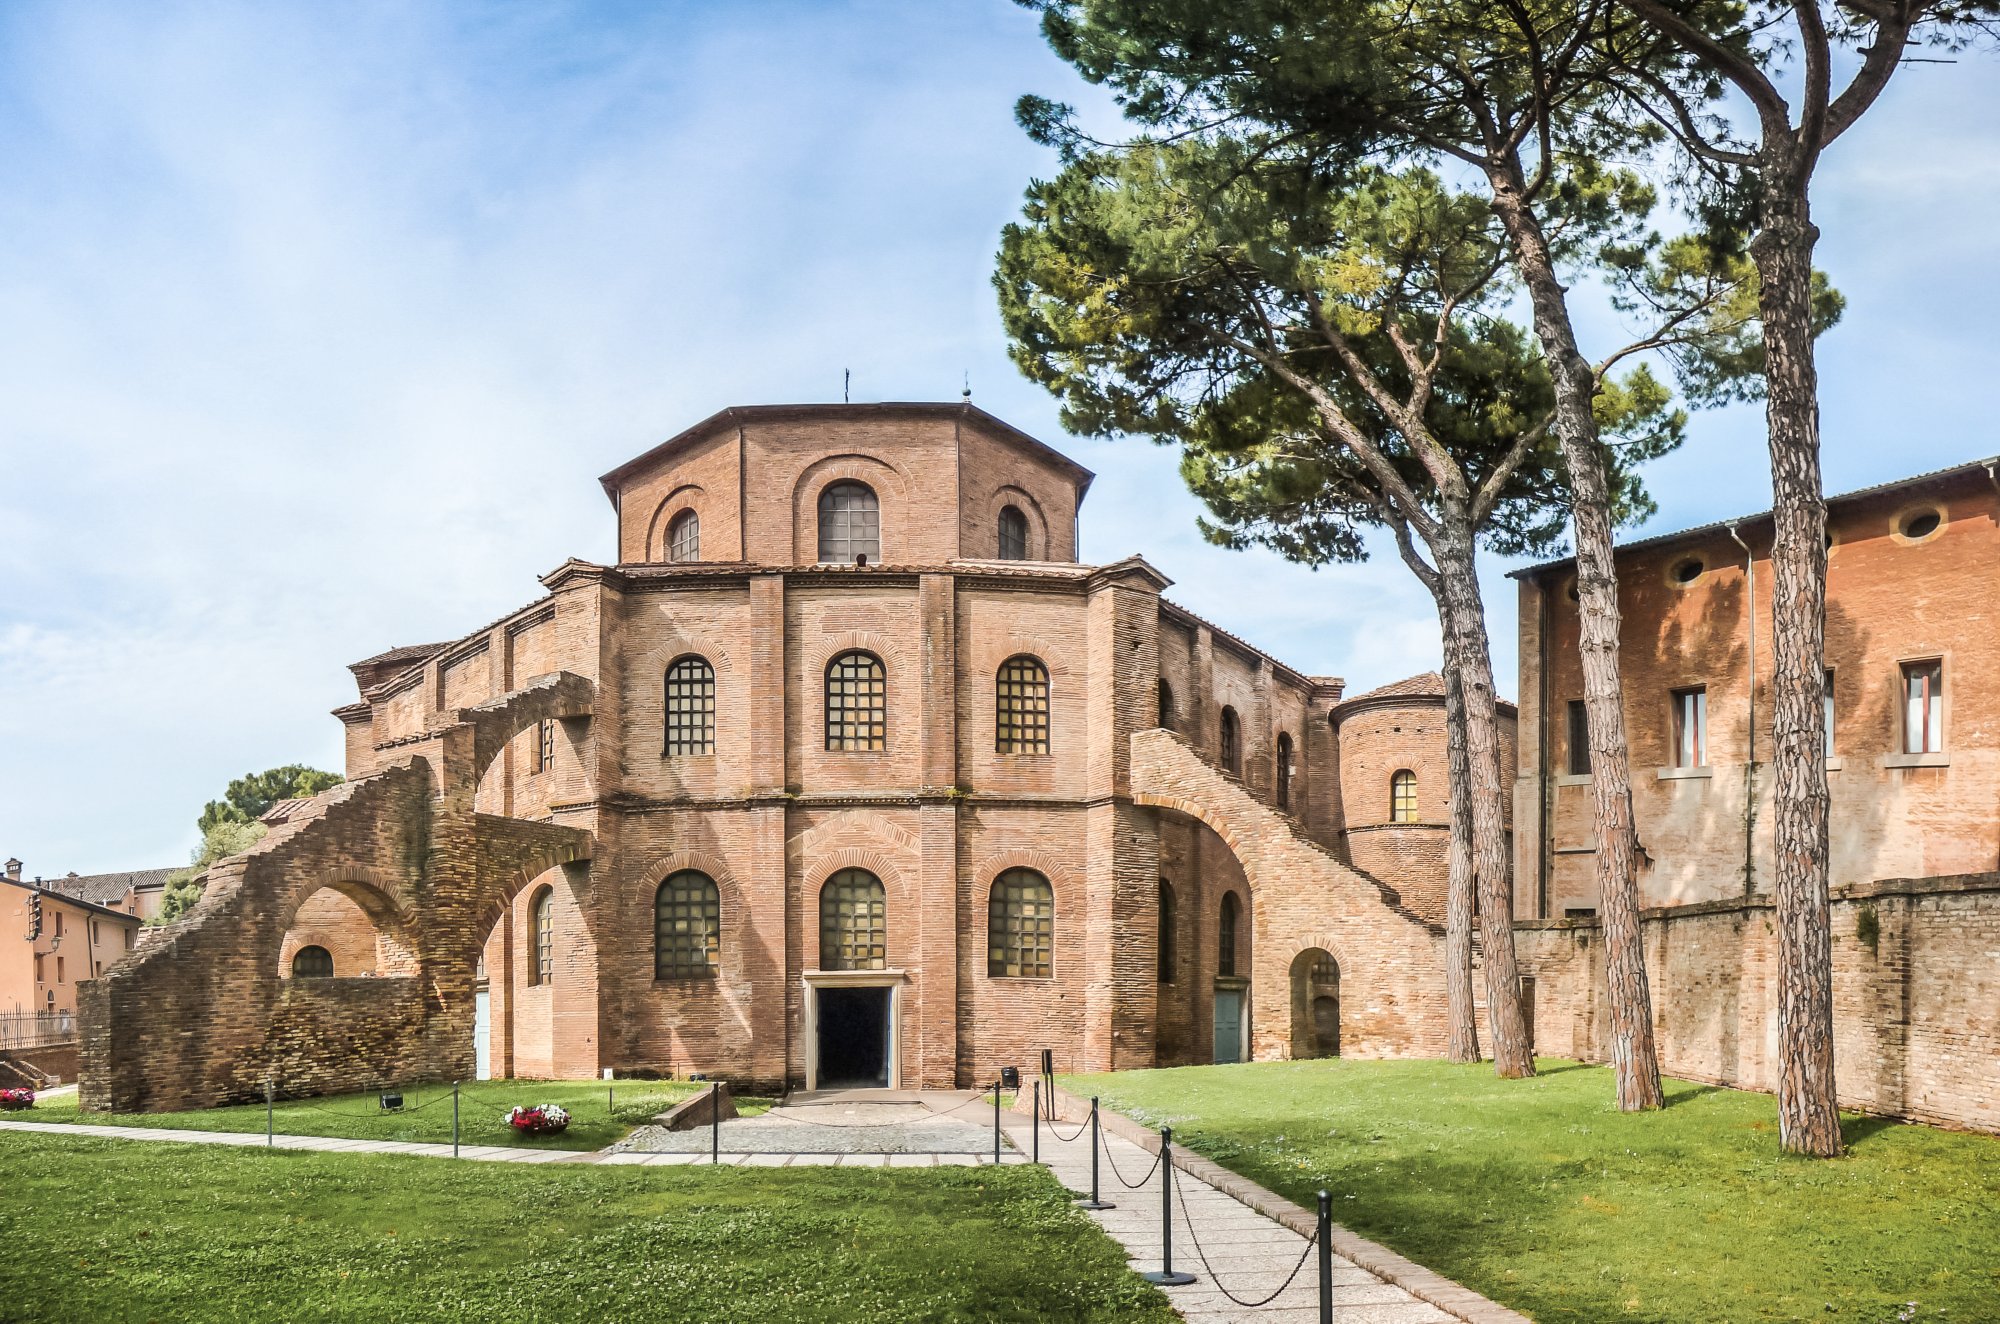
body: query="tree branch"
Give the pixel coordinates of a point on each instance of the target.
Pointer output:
(1738, 69)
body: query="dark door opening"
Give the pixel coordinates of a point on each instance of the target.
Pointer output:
(853, 1037)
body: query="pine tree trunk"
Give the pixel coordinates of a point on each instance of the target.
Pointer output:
(1808, 1118)
(1634, 1055)
(1459, 908)
(1469, 654)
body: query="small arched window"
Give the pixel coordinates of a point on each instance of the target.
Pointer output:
(1021, 927)
(1013, 534)
(542, 937)
(850, 524)
(1166, 698)
(312, 963)
(853, 922)
(1284, 770)
(1403, 796)
(1225, 937)
(684, 537)
(1232, 742)
(1167, 953)
(687, 927)
(857, 700)
(690, 707)
(1021, 706)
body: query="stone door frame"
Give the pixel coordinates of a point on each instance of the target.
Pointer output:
(814, 980)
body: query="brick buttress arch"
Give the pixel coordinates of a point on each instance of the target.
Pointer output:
(1301, 896)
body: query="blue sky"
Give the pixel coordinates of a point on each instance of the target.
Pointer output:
(317, 323)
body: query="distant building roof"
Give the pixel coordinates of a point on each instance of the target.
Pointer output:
(105, 888)
(1839, 499)
(1423, 685)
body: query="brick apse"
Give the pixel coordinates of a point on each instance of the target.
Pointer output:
(847, 771)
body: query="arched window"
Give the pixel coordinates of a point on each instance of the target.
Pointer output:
(1225, 940)
(853, 922)
(1013, 534)
(1021, 926)
(690, 707)
(312, 963)
(1284, 770)
(687, 927)
(857, 699)
(1403, 797)
(541, 937)
(1021, 707)
(1166, 698)
(1167, 953)
(1232, 743)
(684, 537)
(850, 524)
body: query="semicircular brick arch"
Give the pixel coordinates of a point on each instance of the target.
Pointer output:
(1061, 873)
(688, 496)
(559, 695)
(892, 494)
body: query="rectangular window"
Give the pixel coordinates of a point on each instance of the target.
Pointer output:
(61, 974)
(1923, 707)
(1827, 734)
(1691, 728)
(41, 975)
(545, 757)
(131, 940)
(1579, 739)
(59, 919)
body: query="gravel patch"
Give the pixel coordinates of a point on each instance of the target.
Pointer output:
(861, 1128)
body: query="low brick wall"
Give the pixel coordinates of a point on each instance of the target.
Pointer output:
(57, 1060)
(1916, 990)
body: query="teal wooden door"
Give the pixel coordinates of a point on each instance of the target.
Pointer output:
(1229, 1025)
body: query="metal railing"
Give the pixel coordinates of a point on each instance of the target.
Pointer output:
(36, 1029)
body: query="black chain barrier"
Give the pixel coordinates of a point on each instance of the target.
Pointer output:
(1180, 1198)
(1128, 1185)
(378, 1111)
(1075, 1135)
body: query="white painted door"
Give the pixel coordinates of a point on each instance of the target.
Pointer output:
(482, 1035)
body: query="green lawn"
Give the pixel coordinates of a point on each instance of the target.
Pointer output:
(105, 1230)
(1542, 1196)
(426, 1114)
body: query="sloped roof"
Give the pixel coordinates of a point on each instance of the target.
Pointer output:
(1838, 499)
(918, 408)
(104, 888)
(407, 653)
(1425, 685)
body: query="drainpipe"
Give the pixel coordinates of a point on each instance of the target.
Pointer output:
(1542, 789)
(1750, 762)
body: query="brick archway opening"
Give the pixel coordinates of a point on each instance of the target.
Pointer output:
(1315, 980)
(357, 932)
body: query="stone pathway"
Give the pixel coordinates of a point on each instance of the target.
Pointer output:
(851, 1127)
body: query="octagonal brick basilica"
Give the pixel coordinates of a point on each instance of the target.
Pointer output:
(847, 772)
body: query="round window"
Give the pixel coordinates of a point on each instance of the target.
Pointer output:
(1917, 525)
(1687, 570)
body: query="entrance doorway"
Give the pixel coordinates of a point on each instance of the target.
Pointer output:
(853, 1029)
(1229, 1025)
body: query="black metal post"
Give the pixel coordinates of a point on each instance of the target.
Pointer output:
(715, 1122)
(1325, 1258)
(1096, 1143)
(609, 1104)
(454, 1119)
(1035, 1127)
(1166, 1277)
(269, 1139)
(996, 1121)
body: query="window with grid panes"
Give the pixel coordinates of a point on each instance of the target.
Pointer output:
(1021, 715)
(853, 922)
(1403, 797)
(687, 927)
(691, 707)
(545, 745)
(684, 537)
(857, 698)
(1284, 770)
(850, 524)
(1021, 927)
(1232, 742)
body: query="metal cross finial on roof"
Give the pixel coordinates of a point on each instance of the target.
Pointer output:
(966, 394)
